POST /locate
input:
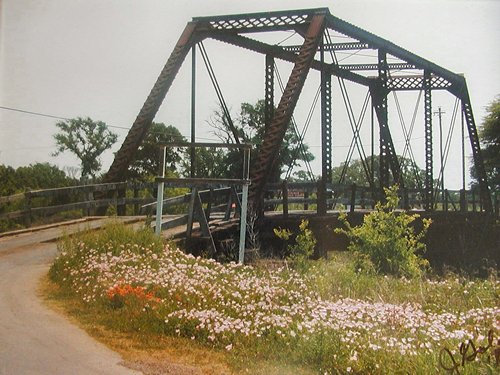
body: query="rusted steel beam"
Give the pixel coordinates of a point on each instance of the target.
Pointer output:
(484, 190)
(260, 22)
(334, 46)
(279, 53)
(142, 123)
(377, 42)
(283, 114)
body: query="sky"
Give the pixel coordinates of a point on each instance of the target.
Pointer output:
(100, 58)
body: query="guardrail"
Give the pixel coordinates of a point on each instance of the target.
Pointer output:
(88, 198)
(139, 198)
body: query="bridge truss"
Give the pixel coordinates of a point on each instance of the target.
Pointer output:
(317, 52)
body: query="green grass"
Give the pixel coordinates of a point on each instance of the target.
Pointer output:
(332, 319)
(338, 277)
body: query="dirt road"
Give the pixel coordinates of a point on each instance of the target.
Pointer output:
(34, 339)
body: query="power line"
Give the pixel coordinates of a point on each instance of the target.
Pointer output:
(50, 116)
(33, 113)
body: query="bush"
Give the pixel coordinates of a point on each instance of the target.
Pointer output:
(386, 242)
(303, 249)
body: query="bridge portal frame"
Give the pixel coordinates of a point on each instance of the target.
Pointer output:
(195, 210)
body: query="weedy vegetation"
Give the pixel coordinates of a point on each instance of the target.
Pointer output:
(327, 316)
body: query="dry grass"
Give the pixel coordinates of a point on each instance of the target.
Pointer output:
(147, 353)
(154, 354)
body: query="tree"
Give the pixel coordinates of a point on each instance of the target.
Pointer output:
(8, 178)
(355, 173)
(41, 176)
(87, 139)
(33, 176)
(489, 134)
(146, 161)
(209, 163)
(250, 128)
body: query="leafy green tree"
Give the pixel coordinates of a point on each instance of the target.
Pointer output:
(33, 176)
(355, 174)
(41, 176)
(209, 163)
(489, 134)
(146, 161)
(250, 128)
(87, 139)
(300, 176)
(8, 178)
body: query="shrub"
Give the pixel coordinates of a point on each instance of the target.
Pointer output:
(303, 249)
(386, 241)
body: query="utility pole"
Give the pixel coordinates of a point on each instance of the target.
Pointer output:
(440, 114)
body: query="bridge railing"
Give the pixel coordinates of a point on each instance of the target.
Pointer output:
(125, 198)
(121, 198)
(306, 196)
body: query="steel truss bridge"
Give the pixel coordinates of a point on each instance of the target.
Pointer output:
(395, 69)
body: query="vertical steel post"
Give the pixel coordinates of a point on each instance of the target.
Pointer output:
(27, 207)
(463, 151)
(161, 185)
(388, 157)
(463, 199)
(372, 135)
(382, 109)
(379, 96)
(326, 136)
(326, 122)
(441, 154)
(243, 223)
(284, 194)
(244, 205)
(193, 110)
(429, 182)
(269, 91)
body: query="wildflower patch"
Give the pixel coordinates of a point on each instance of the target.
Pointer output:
(262, 313)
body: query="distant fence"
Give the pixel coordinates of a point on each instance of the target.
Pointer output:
(135, 198)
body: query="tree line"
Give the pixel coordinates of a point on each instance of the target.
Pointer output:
(88, 139)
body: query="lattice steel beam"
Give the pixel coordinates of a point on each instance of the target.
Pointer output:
(476, 150)
(326, 125)
(404, 83)
(279, 53)
(269, 91)
(257, 22)
(393, 66)
(334, 47)
(429, 180)
(387, 155)
(282, 116)
(379, 43)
